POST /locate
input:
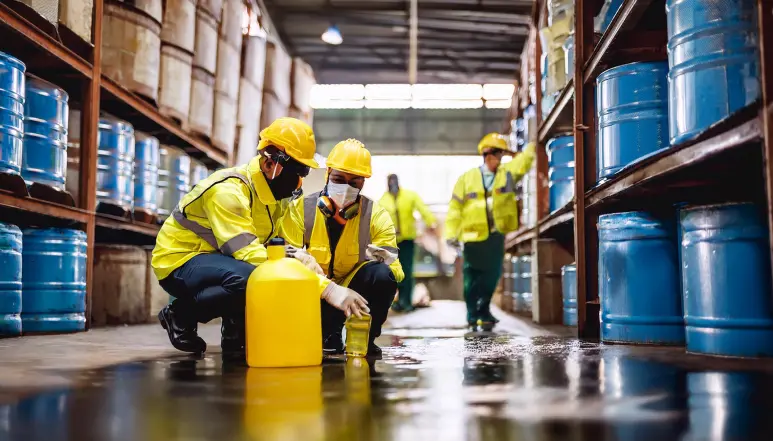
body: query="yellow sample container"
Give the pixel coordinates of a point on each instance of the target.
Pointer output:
(283, 318)
(357, 332)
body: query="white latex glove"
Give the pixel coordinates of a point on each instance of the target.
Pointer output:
(305, 258)
(345, 299)
(380, 254)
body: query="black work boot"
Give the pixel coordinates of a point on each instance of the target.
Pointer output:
(232, 340)
(332, 344)
(182, 334)
(374, 352)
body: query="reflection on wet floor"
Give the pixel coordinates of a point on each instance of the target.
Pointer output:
(469, 387)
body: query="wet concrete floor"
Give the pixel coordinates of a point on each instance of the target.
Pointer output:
(439, 383)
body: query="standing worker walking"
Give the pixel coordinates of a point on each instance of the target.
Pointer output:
(482, 210)
(214, 239)
(349, 241)
(401, 204)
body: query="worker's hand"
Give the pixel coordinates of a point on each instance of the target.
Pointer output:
(305, 258)
(455, 245)
(380, 254)
(345, 299)
(432, 230)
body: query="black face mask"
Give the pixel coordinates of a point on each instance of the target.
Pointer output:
(393, 187)
(285, 185)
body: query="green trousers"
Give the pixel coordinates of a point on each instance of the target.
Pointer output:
(482, 269)
(406, 255)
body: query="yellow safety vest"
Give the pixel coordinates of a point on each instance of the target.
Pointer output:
(467, 219)
(401, 209)
(232, 212)
(304, 225)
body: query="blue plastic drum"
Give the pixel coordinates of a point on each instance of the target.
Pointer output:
(713, 53)
(115, 163)
(54, 281)
(525, 295)
(146, 160)
(46, 116)
(515, 283)
(10, 279)
(728, 307)
(569, 289)
(174, 176)
(11, 113)
(639, 280)
(632, 114)
(561, 171)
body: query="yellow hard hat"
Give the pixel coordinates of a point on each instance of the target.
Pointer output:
(292, 135)
(492, 141)
(350, 156)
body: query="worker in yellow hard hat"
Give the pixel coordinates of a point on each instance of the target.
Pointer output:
(211, 243)
(401, 204)
(482, 210)
(349, 240)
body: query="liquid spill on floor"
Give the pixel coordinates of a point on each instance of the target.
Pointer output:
(446, 387)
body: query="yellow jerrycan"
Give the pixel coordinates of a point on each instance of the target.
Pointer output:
(283, 315)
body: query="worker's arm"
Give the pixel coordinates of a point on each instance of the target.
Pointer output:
(382, 234)
(454, 215)
(228, 211)
(291, 227)
(521, 163)
(429, 218)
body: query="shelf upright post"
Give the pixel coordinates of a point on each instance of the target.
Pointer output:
(88, 152)
(585, 235)
(765, 17)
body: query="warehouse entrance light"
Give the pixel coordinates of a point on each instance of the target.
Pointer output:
(332, 36)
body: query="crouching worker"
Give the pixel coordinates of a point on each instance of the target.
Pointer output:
(211, 243)
(349, 241)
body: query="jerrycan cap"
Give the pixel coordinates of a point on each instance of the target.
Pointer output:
(276, 248)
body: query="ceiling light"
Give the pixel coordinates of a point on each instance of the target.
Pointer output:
(332, 36)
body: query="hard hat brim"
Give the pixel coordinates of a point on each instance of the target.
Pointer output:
(309, 162)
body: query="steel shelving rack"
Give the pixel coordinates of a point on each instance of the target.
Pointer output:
(730, 161)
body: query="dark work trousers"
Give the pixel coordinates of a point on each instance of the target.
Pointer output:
(378, 285)
(482, 268)
(406, 250)
(209, 286)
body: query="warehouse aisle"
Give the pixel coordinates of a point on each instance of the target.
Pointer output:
(435, 382)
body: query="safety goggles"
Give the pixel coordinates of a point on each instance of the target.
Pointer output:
(288, 163)
(356, 182)
(494, 152)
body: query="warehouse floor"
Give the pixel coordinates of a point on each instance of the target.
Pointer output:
(435, 381)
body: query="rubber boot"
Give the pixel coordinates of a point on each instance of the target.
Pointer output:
(181, 331)
(333, 344)
(232, 339)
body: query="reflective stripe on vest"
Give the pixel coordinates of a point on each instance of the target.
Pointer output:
(233, 244)
(310, 213)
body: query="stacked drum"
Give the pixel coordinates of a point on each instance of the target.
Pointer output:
(11, 113)
(173, 179)
(46, 116)
(146, 160)
(115, 164)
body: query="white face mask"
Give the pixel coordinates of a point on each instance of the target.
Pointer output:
(342, 194)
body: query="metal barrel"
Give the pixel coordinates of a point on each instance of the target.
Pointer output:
(115, 163)
(11, 113)
(561, 170)
(569, 290)
(10, 279)
(46, 120)
(146, 162)
(515, 281)
(526, 295)
(728, 308)
(199, 172)
(639, 280)
(713, 53)
(173, 179)
(632, 114)
(53, 281)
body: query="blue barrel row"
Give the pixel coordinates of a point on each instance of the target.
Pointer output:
(712, 72)
(520, 286)
(33, 126)
(561, 170)
(42, 280)
(706, 283)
